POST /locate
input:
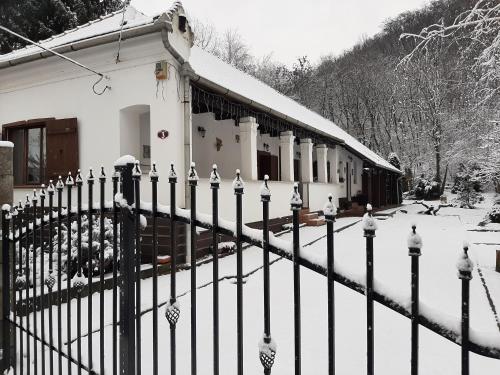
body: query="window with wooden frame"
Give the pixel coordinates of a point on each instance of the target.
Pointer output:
(43, 149)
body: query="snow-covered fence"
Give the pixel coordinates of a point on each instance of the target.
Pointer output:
(41, 235)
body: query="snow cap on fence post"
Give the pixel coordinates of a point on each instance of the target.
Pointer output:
(50, 188)
(69, 180)
(238, 183)
(27, 202)
(296, 201)
(414, 242)
(369, 223)
(265, 193)
(193, 175)
(172, 176)
(214, 178)
(102, 176)
(78, 178)
(464, 264)
(90, 176)
(329, 209)
(153, 173)
(60, 183)
(136, 172)
(34, 199)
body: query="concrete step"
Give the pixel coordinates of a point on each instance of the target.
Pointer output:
(317, 222)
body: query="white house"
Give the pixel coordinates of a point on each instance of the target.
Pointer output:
(168, 100)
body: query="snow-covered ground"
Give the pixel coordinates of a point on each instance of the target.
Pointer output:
(443, 236)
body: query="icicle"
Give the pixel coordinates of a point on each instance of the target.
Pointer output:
(193, 176)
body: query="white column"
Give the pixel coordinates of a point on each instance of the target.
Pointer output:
(306, 160)
(248, 147)
(333, 158)
(286, 162)
(321, 160)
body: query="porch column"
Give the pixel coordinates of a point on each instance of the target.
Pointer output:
(248, 142)
(322, 159)
(286, 160)
(306, 159)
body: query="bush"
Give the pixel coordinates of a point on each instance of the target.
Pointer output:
(426, 189)
(467, 185)
(494, 213)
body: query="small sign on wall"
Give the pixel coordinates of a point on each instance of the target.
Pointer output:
(162, 134)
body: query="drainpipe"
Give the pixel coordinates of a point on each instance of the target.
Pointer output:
(188, 153)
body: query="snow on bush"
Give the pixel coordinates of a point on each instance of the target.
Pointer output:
(91, 262)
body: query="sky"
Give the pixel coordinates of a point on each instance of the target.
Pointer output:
(293, 28)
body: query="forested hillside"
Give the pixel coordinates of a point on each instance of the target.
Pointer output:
(431, 97)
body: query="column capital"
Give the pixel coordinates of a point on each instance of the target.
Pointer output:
(286, 137)
(305, 140)
(322, 146)
(247, 119)
(248, 126)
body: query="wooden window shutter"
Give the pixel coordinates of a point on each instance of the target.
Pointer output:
(62, 148)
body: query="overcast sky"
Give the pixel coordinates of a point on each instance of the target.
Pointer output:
(293, 28)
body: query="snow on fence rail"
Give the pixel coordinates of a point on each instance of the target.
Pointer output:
(40, 225)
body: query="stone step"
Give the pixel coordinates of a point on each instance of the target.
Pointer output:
(317, 222)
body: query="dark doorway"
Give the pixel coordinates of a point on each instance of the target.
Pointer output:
(267, 164)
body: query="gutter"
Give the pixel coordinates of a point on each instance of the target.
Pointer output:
(90, 42)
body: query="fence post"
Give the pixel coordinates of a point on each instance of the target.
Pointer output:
(329, 210)
(296, 205)
(193, 182)
(414, 250)
(127, 275)
(238, 187)
(267, 347)
(369, 227)
(465, 267)
(214, 185)
(7, 347)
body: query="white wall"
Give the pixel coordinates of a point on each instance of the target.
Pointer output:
(281, 192)
(55, 88)
(318, 194)
(205, 154)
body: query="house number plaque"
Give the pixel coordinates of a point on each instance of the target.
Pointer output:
(162, 134)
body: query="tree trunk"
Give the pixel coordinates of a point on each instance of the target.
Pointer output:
(437, 150)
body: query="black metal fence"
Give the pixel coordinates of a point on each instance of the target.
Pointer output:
(52, 255)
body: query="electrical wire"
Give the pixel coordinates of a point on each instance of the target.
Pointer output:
(101, 76)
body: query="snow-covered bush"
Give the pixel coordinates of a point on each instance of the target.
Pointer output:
(425, 189)
(468, 185)
(494, 214)
(91, 260)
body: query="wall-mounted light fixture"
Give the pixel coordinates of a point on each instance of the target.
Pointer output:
(237, 138)
(298, 154)
(266, 147)
(202, 131)
(218, 143)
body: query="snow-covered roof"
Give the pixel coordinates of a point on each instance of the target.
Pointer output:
(222, 74)
(208, 67)
(104, 25)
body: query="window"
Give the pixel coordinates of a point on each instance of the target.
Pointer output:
(355, 172)
(43, 149)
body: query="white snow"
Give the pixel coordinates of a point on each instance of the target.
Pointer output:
(329, 208)
(264, 188)
(414, 241)
(464, 264)
(6, 144)
(6, 207)
(369, 222)
(124, 160)
(238, 181)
